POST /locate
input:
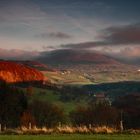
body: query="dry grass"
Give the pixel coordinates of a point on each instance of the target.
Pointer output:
(68, 130)
(65, 129)
(132, 131)
(35, 130)
(104, 129)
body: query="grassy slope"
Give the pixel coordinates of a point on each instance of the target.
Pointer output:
(53, 97)
(112, 90)
(92, 77)
(66, 78)
(71, 137)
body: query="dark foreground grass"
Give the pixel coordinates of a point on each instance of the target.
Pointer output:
(70, 137)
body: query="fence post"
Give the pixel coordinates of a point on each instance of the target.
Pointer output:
(0, 127)
(59, 124)
(89, 126)
(4, 127)
(30, 126)
(121, 122)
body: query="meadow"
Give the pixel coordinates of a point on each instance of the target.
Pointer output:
(53, 96)
(71, 137)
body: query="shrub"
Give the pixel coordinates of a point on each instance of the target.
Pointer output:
(46, 114)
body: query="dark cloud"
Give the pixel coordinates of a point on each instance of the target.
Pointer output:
(83, 45)
(129, 34)
(112, 36)
(54, 35)
(48, 48)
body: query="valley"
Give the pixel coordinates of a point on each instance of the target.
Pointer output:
(72, 86)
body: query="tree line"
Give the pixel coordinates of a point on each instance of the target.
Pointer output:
(16, 110)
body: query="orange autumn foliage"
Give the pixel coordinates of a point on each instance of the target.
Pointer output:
(12, 72)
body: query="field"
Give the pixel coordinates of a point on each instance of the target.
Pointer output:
(91, 77)
(54, 97)
(66, 78)
(74, 98)
(70, 137)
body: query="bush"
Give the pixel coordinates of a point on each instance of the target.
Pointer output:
(95, 115)
(46, 114)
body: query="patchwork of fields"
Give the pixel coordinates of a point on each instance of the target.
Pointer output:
(76, 77)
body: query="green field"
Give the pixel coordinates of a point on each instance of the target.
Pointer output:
(54, 97)
(112, 90)
(70, 137)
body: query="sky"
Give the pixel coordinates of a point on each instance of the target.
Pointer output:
(28, 27)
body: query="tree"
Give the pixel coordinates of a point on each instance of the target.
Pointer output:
(130, 106)
(79, 116)
(29, 90)
(95, 114)
(27, 119)
(46, 114)
(13, 102)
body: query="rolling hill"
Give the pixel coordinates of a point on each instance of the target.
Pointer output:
(92, 66)
(76, 57)
(12, 72)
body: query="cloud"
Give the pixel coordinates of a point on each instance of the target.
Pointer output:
(129, 34)
(49, 48)
(82, 45)
(17, 54)
(59, 35)
(54, 35)
(111, 37)
(132, 52)
(20, 11)
(127, 54)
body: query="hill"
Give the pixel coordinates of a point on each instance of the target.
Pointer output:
(12, 72)
(84, 61)
(92, 66)
(76, 57)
